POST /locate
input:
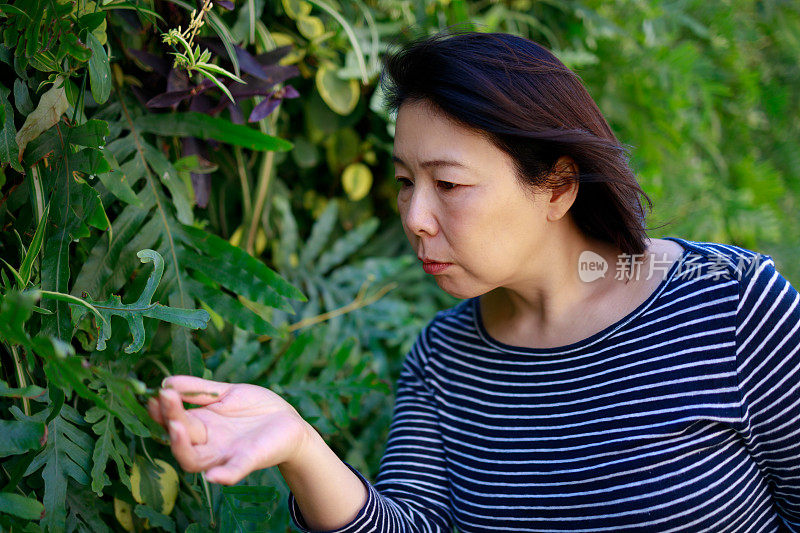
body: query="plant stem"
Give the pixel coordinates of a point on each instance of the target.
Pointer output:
(357, 303)
(240, 167)
(208, 497)
(262, 188)
(38, 193)
(26, 405)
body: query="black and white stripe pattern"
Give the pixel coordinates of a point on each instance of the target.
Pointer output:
(683, 416)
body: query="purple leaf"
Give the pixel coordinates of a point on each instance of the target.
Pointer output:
(253, 88)
(177, 80)
(202, 104)
(280, 73)
(237, 117)
(175, 97)
(157, 63)
(168, 99)
(263, 109)
(273, 56)
(201, 183)
(262, 66)
(289, 92)
(227, 4)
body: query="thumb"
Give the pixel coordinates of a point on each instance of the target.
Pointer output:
(196, 390)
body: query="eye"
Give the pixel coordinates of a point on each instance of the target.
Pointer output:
(445, 185)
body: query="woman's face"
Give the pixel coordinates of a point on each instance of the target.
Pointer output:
(460, 203)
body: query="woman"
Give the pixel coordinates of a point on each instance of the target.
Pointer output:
(556, 396)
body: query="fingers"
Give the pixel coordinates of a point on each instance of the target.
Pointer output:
(172, 411)
(192, 459)
(189, 386)
(154, 410)
(230, 473)
(187, 455)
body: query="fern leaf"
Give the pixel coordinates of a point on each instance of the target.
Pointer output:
(108, 445)
(346, 245)
(246, 508)
(67, 454)
(134, 313)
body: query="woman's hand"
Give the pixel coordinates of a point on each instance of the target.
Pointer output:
(240, 428)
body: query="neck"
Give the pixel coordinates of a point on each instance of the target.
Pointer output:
(550, 291)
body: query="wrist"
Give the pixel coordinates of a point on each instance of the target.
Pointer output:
(306, 447)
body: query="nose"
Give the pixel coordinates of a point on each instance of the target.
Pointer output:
(419, 215)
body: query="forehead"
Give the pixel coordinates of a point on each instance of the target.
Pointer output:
(425, 134)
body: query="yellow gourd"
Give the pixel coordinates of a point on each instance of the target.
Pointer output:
(167, 482)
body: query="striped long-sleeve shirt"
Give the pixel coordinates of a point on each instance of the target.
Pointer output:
(682, 416)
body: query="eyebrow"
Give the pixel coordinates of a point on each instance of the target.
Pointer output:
(434, 163)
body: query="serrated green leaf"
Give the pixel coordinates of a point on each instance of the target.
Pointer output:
(232, 310)
(233, 261)
(86, 512)
(170, 178)
(156, 519)
(186, 356)
(320, 233)
(346, 245)
(235, 278)
(109, 265)
(108, 445)
(66, 454)
(235, 513)
(124, 405)
(287, 246)
(134, 313)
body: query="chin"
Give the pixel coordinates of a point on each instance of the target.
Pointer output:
(458, 291)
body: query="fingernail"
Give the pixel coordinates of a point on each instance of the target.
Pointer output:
(164, 382)
(173, 426)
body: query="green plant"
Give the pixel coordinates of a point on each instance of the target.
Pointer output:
(268, 204)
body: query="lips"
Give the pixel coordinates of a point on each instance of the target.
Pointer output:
(433, 267)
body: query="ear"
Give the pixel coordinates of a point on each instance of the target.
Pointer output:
(565, 173)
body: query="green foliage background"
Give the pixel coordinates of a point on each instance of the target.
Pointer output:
(307, 283)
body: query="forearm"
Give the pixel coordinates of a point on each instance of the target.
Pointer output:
(327, 492)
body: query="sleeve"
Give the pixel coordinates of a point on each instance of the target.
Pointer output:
(411, 490)
(768, 367)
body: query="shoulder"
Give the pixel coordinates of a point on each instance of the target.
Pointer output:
(722, 261)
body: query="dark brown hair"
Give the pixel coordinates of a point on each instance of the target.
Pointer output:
(535, 109)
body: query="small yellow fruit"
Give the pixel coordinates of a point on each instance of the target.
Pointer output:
(166, 482)
(122, 510)
(356, 181)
